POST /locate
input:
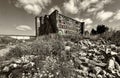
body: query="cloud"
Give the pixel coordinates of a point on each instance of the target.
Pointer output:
(117, 15)
(87, 3)
(88, 28)
(34, 7)
(91, 6)
(87, 21)
(23, 28)
(54, 8)
(102, 15)
(98, 6)
(20, 37)
(71, 7)
(91, 10)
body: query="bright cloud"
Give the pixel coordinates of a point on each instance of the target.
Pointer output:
(23, 28)
(87, 3)
(34, 7)
(93, 5)
(88, 21)
(117, 15)
(70, 7)
(88, 28)
(91, 10)
(55, 8)
(20, 37)
(102, 15)
(74, 6)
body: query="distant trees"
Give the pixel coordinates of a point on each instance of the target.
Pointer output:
(99, 30)
(93, 32)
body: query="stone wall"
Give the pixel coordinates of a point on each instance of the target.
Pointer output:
(45, 26)
(67, 25)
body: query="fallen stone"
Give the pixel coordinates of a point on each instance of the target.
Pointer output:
(13, 65)
(67, 48)
(113, 53)
(6, 69)
(111, 64)
(99, 76)
(97, 70)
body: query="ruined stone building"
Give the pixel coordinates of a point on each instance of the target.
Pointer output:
(58, 23)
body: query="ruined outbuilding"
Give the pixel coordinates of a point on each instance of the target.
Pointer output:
(58, 23)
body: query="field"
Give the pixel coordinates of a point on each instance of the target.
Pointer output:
(55, 56)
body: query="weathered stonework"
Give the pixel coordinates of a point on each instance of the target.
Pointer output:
(58, 23)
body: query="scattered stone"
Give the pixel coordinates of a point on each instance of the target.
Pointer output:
(99, 76)
(111, 64)
(6, 69)
(97, 70)
(88, 59)
(67, 48)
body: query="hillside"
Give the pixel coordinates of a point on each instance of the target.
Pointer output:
(56, 56)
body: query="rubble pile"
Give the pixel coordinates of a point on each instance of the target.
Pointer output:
(97, 59)
(83, 59)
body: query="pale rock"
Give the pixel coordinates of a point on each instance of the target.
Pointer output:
(113, 53)
(18, 61)
(6, 69)
(67, 48)
(97, 70)
(113, 46)
(83, 54)
(84, 47)
(96, 51)
(13, 65)
(89, 42)
(111, 64)
(108, 50)
(93, 45)
(32, 63)
(99, 76)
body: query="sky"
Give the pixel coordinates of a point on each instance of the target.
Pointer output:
(17, 16)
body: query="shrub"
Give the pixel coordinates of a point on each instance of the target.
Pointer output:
(18, 51)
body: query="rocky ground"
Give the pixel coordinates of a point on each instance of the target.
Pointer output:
(85, 58)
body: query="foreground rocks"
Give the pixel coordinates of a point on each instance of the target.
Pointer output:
(83, 59)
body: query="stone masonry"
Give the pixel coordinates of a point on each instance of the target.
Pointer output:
(58, 23)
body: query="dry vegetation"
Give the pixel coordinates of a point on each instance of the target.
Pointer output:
(55, 56)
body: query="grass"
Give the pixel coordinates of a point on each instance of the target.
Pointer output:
(52, 56)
